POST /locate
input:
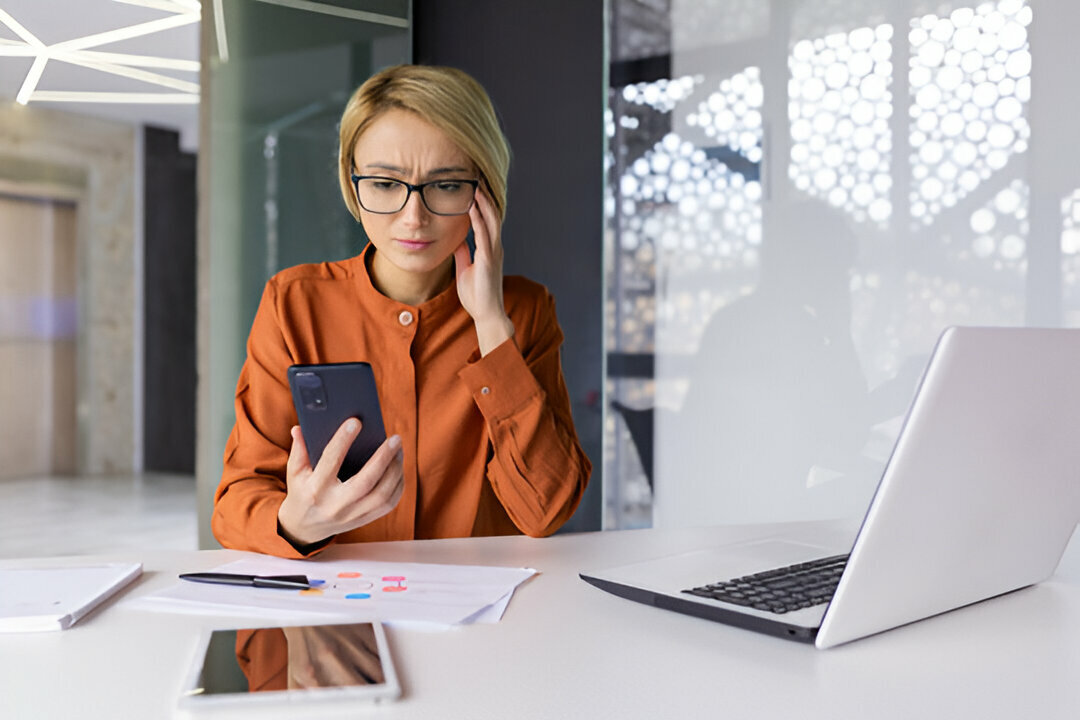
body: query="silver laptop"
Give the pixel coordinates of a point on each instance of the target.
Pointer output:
(979, 498)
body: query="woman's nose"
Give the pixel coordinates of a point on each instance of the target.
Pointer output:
(414, 213)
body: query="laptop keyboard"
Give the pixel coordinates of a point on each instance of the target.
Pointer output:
(782, 590)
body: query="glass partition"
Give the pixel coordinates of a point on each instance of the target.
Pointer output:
(279, 75)
(801, 196)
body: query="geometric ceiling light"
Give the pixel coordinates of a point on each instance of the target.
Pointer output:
(78, 52)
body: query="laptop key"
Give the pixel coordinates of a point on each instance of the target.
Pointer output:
(781, 590)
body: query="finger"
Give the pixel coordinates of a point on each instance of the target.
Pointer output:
(489, 218)
(385, 496)
(462, 259)
(334, 453)
(392, 484)
(298, 455)
(368, 476)
(379, 460)
(487, 212)
(399, 485)
(480, 229)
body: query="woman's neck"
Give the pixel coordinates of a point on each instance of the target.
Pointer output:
(410, 288)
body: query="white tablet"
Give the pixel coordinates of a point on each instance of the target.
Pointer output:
(285, 665)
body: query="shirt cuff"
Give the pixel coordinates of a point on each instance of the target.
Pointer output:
(501, 381)
(274, 543)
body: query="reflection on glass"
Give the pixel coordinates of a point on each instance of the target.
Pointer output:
(777, 407)
(270, 659)
(839, 106)
(970, 75)
(864, 165)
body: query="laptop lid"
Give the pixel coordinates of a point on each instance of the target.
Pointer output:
(982, 491)
(980, 497)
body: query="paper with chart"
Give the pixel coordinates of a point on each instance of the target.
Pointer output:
(392, 592)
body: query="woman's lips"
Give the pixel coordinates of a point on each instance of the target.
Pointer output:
(413, 244)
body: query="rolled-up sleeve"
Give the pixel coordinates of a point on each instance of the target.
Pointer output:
(252, 485)
(537, 470)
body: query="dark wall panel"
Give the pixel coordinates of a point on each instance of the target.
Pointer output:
(542, 62)
(169, 295)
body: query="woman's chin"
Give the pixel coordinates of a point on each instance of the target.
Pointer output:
(424, 260)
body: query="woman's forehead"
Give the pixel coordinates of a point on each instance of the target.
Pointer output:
(402, 140)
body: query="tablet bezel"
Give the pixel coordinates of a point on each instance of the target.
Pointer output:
(192, 698)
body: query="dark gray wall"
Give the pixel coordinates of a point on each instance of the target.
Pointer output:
(169, 277)
(542, 62)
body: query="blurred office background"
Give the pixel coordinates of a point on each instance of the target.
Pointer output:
(755, 216)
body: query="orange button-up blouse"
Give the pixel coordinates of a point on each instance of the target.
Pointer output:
(489, 442)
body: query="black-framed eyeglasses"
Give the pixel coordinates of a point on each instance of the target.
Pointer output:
(386, 196)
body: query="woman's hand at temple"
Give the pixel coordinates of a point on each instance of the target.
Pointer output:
(480, 279)
(317, 505)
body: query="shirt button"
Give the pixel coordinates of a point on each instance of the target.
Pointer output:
(485, 390)
(405, 318)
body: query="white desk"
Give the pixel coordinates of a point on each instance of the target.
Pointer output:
(568, 650)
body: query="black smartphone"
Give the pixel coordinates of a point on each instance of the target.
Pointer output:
(327, 395)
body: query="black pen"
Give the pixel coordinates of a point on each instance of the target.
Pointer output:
(264, 581)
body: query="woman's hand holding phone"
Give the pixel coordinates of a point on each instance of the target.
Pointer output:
(318, 505)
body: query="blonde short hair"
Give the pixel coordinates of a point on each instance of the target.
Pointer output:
(449, 99)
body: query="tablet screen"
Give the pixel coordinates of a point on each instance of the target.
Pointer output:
(287, 664)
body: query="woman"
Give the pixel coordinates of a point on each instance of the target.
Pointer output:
(480, 435)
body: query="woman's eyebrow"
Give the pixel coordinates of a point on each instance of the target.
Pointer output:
(445, 170)
(402, 171)
(380, 166)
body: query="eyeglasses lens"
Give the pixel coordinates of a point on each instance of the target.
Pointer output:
(443, 197)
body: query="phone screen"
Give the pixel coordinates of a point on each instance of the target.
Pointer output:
(290, 664)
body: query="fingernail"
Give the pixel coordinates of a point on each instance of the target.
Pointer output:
(351, 425)
(394, 442)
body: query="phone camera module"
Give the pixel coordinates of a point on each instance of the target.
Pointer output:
(312, 392)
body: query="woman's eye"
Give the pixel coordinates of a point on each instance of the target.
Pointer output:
(449, 187)
(384, 184)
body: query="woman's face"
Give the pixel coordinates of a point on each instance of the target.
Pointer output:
(402, 146)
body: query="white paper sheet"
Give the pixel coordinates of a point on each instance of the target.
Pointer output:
(413, 593)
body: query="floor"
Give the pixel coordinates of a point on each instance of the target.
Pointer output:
(48, 516)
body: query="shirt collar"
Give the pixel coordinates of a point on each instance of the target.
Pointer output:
(442, 304)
